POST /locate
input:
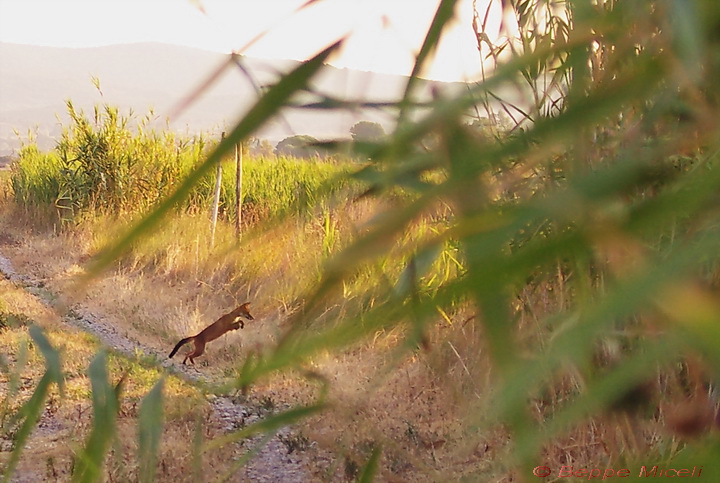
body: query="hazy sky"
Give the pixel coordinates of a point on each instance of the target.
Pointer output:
(383, 34)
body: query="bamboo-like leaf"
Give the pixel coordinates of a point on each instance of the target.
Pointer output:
(416, 268)
(13, 386)
(297, 345)
(271, 423)
(371, 467)
(197, 449)
(249, 455)
(30, 412)
(150, 426)
(700, 455)
(688, 31)
(600, 394)
(443, 15)
(51, 355)
(204, 86)
(91, 460)
(574, 344)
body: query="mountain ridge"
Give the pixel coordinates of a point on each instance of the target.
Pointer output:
(35, 82)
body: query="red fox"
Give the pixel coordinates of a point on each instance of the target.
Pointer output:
(227, 322)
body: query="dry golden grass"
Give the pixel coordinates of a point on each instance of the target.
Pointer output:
(416, 404)
(167, 293)
(414, 410)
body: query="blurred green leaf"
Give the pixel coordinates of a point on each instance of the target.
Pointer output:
(30, 413)
(267, 425)
(52, 357)
(443, 16)
(90, 461)
(371, 467)
(247, 457)
(150, 427)
(32, 409)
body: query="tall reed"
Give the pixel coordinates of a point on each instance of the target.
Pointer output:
(105, 165)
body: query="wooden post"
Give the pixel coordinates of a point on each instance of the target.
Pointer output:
(216, 201)
(238, 189)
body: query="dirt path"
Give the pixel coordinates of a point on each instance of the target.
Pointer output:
(272, 463)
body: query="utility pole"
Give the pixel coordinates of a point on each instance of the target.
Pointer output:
(238, 189)
(216, 201)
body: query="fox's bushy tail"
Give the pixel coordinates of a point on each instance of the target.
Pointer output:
(179, 344)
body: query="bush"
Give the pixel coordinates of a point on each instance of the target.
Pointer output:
(36, 177)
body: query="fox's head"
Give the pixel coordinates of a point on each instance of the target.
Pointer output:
(244, 311)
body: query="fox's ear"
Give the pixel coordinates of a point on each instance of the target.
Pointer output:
(246, 305)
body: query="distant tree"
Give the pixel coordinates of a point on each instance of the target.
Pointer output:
(490, 128)
(367, 131)
(261, 148)
(299, 146)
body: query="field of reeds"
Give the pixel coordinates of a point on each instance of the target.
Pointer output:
(104, 165)
(474, 301)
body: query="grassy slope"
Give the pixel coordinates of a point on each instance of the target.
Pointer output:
(174, 286)
(413, 410)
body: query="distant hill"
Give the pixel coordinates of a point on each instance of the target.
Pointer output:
(36, 81)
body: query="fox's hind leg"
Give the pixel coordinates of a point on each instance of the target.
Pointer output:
(199, 349)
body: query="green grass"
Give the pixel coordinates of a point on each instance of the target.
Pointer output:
(103, 166)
